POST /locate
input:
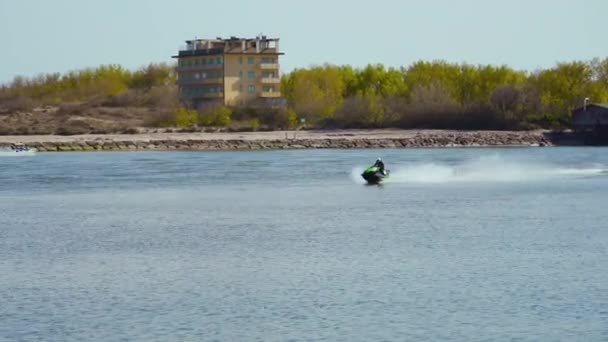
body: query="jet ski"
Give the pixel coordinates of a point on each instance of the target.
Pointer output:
(26, 150)
(373, 175)
(22, 148)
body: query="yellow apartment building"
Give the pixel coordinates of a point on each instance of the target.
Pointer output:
(232, 71)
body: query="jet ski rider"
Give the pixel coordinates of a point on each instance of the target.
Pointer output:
(380, 165)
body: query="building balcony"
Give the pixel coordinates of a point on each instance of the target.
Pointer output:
(218, 81)
(270, 94)
(212, 95)
(270, 80)
(201, 67)
(199, 52)
(269, 65)
(203, 96)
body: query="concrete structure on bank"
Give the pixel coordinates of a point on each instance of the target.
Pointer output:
(590, 117)
(232, 71)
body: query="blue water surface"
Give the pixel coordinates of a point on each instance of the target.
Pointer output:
(458, 245)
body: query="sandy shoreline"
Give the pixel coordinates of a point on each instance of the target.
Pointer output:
(281, 139)
(274, 135)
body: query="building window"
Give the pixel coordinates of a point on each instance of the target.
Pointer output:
(251, 60)
(268, 89)
(211, 60)
(204, 61)
(241, 74)
(240, 87)
(213, 89)
(240, 59)
(219, 60)
(251, 88)
(251, 75)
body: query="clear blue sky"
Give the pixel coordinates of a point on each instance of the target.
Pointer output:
(59, 35)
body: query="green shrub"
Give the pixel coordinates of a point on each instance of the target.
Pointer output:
(255, 124)
(292, 118)
(185, 117)
(216, 116)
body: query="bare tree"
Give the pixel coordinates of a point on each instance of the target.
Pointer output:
(431, 106)
(354, 112)
(505, 98)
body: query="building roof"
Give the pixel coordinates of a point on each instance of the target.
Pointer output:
(233, 39)
(253, 51)
(601, 105)
(234, 45)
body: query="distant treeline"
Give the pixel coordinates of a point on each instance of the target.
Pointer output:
(106, 82)
(444, 95)
(423, 95)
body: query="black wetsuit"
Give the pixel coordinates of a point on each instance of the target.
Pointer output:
(380, 164)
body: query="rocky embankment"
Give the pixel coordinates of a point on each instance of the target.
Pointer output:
(276, 140)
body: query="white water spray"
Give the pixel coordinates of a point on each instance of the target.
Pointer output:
(483, 169)
(11, 153)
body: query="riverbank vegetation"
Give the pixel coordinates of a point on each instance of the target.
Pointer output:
(444, 95)
(425, 94)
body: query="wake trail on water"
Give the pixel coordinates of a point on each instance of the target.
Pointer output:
(15, 154)
(483, 169)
